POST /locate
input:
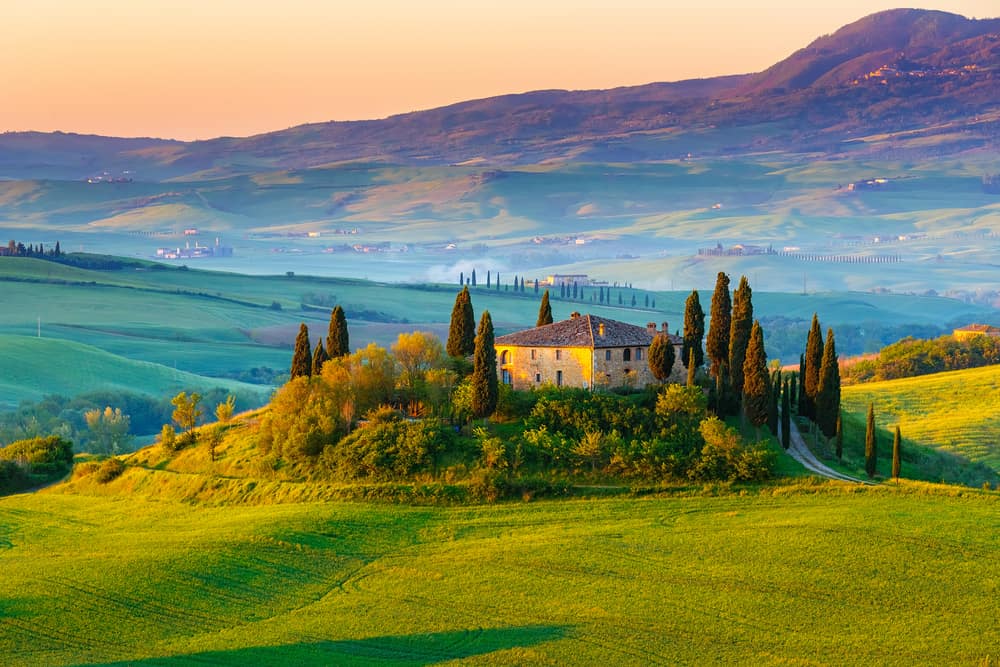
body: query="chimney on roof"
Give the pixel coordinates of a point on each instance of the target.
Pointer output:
(664, 328)
(600, 329)
(574, 315)
(651, 327)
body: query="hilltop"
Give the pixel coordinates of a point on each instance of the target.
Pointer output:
(896, 70)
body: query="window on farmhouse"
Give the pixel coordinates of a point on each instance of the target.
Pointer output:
(558, 378)
(638, 354)
(533, 355)
(607, 355)
(538, 378)
(558, 355)
(626, 355)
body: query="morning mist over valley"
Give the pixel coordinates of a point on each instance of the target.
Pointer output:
(543, 334)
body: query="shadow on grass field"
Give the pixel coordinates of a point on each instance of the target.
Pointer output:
(417, 649)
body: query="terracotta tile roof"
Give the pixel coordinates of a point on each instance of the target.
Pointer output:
(584, 331)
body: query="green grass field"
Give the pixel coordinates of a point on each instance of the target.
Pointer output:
(807, 575)
(957, 412)
(31, 368)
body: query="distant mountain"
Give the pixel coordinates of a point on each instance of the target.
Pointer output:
(904, 69)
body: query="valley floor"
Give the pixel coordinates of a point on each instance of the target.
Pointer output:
(818, 573)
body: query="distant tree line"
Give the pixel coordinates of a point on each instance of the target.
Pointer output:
(34, 461)
(911, 357)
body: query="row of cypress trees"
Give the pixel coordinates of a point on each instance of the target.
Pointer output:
(306, 361)
(464, 340)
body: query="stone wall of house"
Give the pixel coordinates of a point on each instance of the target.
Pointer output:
(580, 366)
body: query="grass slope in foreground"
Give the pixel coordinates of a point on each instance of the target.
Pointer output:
(839, 575)
(957, 411)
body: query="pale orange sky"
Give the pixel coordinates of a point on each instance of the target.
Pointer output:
(191, 69)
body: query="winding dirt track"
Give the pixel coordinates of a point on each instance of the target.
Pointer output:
(801, 453)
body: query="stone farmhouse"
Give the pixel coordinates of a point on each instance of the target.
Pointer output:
(974, 330)
(584, 351)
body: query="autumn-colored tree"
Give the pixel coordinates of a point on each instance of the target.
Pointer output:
(109, 431)
(224, 410)
(318, 358)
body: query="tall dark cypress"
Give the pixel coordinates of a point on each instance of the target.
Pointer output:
(338, 343)
(755, 378)
(739, 333)
(488, 283)
(544, 311)
(302, 358)
(839, 438)
(461, 331)
(813, 362)
(828, 394)
(473, 277)
(871, 444)
(786, 416)
(717, 344)
(319, 358)
(692, 369)
(897, 454)
(774, 401)
(694, 329)
(485, 388)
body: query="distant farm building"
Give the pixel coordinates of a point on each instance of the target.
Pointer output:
(569, 279)
(973, 330)
(584, 351)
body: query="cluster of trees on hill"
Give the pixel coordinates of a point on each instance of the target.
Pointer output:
(911, 357)
(18, 249)
(34, 461)
(388, 414)
(624, 296)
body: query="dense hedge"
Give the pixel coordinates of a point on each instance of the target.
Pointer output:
(911, 357)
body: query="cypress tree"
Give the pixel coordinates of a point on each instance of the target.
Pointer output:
(544, 311)
(755, 394)
(633, 300)
(302, 358)
(536, 285)
(717, 344)
(828, 394)
(839, 439)
(473, 277)
(793, 399)
(647, 304)
(871, 446)
(319, 357)
(562, 290)
(461, 338)
(896, 454)
(574, 289)
(692, 368)
(786, 416)
(813, 362)
(498, 281)
(739, 333)
(488, 283)
(484, 370)
(661, 357)
(337, 338)
(694, 330)
(773, 401)
(461, 277)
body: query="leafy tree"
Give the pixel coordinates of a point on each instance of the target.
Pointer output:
(302, 358)
(417, 353)
(740, 325)
(304, 417)
(544, 311)
(338, 341)
(717, 344)
(109, 430)
(168, 438)
(871, 445)
(484, 371)
(828, 393)
(461, 331)
(786, 416)
(694, 329)
(318, 358)
(224, 410)
(896, 454)
(810, 377)
(661, 357)
(186, 412)
(213, 442)
(756, 399)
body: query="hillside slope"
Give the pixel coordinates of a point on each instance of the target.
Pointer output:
(957, 411)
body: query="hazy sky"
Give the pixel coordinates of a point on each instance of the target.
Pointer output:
(201, 68)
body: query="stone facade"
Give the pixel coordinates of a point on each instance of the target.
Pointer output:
(585, 351)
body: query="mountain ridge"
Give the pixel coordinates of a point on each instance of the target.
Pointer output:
(891, 71)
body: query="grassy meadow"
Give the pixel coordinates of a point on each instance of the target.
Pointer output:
(958, 412)
(824, 574)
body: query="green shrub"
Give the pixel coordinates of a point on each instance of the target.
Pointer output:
(44, 456)
(389, 449)
(109, 470)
